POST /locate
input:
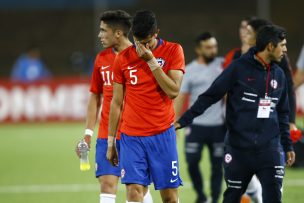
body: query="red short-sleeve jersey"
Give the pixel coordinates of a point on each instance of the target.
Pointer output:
(147, 108)
(102, 83)
(230, 56)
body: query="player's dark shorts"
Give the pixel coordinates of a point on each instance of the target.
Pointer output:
(103, 166)
(240, 165)
(146, 159)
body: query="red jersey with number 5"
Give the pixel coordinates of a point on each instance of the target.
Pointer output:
(147, 109)
(102, 83)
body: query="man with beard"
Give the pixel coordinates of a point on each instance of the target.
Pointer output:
(207, 129)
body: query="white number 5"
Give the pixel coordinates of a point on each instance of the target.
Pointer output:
(133, 77)
(174, 168)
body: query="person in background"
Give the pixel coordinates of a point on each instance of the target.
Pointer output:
(237, 52)
(29, 67)
(209, 129)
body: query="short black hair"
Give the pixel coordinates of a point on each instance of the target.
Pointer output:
(269, 34)
(117, 19)
(144, 24)
(202, 37)
(258, 23)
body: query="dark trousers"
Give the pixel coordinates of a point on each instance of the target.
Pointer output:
(213, 138)
(241, 165)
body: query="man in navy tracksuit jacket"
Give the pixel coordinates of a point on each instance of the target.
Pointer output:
(257, 136)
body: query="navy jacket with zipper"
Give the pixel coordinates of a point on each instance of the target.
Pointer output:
(244, 81)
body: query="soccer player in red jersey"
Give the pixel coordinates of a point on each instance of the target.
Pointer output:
(147, 77)
(114, 30)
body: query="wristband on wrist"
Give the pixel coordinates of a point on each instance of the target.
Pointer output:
(152, 63)
(88, 132)
(111, 140)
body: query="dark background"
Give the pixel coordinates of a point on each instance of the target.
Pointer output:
(62, 28)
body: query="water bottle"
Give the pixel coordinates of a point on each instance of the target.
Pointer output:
(84, 156)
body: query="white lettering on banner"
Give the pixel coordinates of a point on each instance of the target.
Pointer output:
(16, 103)
(79, 103)
(43, 102)
(4, 103)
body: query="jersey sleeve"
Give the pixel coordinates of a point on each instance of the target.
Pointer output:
(230, 56)
(117, 69)
(178, 59)
(96, 80)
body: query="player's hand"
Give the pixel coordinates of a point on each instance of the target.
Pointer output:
(112, 155)
(291, 157)
(292, 126)
(143, 52)
(87, 139)
(177, 126)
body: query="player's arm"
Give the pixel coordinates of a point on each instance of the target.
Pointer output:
(115, 112)
(91, 118)
(178, 104)
(170, 83)
(92, 113)
(283, 117)
(222, 84)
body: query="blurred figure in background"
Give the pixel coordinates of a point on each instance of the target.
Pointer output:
(299, 76)
(208, 129)
(29, 67)
(237, 52)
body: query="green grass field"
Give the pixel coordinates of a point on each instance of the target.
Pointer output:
(38, 164)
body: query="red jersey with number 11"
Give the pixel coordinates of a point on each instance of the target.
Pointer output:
(102, 83)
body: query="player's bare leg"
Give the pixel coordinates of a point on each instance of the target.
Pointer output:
(138, 193)
(108, 184)
(169, 195)
(108, 188)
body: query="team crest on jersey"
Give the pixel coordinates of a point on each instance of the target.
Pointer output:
(122, 173)
(274, 84)
(228, 158)
(160, 61)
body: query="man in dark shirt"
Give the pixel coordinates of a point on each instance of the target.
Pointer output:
(257, 117)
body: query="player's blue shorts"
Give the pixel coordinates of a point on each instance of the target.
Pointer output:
(103, 166)
(146, 159)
